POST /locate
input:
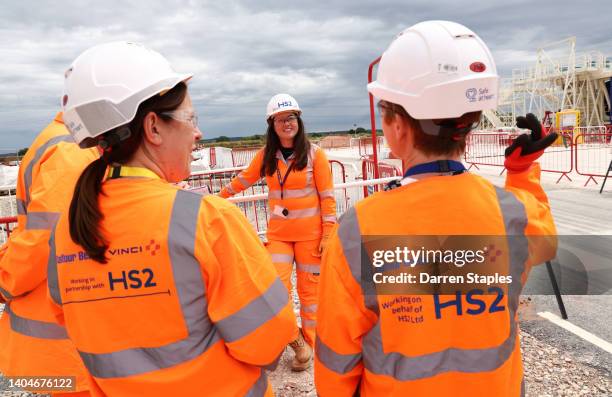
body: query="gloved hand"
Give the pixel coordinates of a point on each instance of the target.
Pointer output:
(527, 148)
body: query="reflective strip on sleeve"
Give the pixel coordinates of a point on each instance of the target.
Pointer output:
(329, 218)
(308, 323)
(339, 363)
(41, 220)
(260, 386)
(230, 189)
(192, 298)
(308, 268)
(309, 308)
(6, 293)
(35, 328)
(245, 184)
(27, 175)
(292, 193)
(326, 194)
(404, 368)
(297, 214)
(21, 207)
(252, 316)
(282, 258)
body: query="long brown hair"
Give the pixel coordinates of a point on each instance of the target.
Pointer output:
(85, 215)
(301, 147)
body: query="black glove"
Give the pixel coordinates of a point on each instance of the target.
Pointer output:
(527, 148)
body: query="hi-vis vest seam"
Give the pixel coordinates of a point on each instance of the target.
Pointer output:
(27, 177)
(35, 328)
(405, 368)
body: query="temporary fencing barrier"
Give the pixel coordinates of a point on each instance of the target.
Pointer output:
(253, 206)
(488, 149)
(242, 156)
(212, 157)
(366, 148)
(368, 172)
(7, 224)
(593, 153)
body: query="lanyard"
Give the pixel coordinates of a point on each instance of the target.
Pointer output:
(282, 182)
(125, 171)
(441, 166)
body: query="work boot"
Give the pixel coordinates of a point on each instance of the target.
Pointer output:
(303, 354)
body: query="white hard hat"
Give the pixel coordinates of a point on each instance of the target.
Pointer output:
(105, 85)
(437, 70)
(281, 103)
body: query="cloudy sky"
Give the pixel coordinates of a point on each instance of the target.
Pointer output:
(243, 52)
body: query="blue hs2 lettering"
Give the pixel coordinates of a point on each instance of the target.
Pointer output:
(137, 279)
(477, 306)
(284, 103)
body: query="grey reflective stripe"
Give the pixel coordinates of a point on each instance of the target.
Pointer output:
(297, 214)
(309, 172)
(326, 193)
(292, 193)
(309, 308)
(191, 293)
(21, 207)
(303, 267)
(52, 279)
(27, 175)
(350, 239)
(329, 218)
(245, 184)
(41, 220)
(252, 316)
(282, 258)
(339, 363)
(260, 386)
(306, 322)
(5, 293)
(230, 189)
(405, 368)
(35, 328)
(523, 386)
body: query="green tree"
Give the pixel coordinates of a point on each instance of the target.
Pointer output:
(223, 138)
(22, 152)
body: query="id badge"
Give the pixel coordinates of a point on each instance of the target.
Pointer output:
(280, 211)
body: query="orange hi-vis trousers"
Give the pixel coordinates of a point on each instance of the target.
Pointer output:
(305, 256)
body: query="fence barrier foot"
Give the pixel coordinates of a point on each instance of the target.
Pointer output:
(588, 180)
(502, 172)
(564, 175)
(606, 177)
(553, 281)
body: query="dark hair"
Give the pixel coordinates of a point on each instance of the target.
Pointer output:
(85, 215)
(301, 147)
(449, 141)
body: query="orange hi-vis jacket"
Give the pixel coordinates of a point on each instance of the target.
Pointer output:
(31, 342)
(308, 194)
(188, 304)
(429, 345)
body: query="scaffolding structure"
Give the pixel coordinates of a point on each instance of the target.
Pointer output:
(560, 80)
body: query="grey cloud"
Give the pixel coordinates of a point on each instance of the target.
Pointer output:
(243, 52)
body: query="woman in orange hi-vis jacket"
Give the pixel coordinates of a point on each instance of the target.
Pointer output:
(302, 209)
(163, 291)
(31, 342)
(395, 339)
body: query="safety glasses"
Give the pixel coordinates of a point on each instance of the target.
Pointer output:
(292, 118)
(184, 115)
